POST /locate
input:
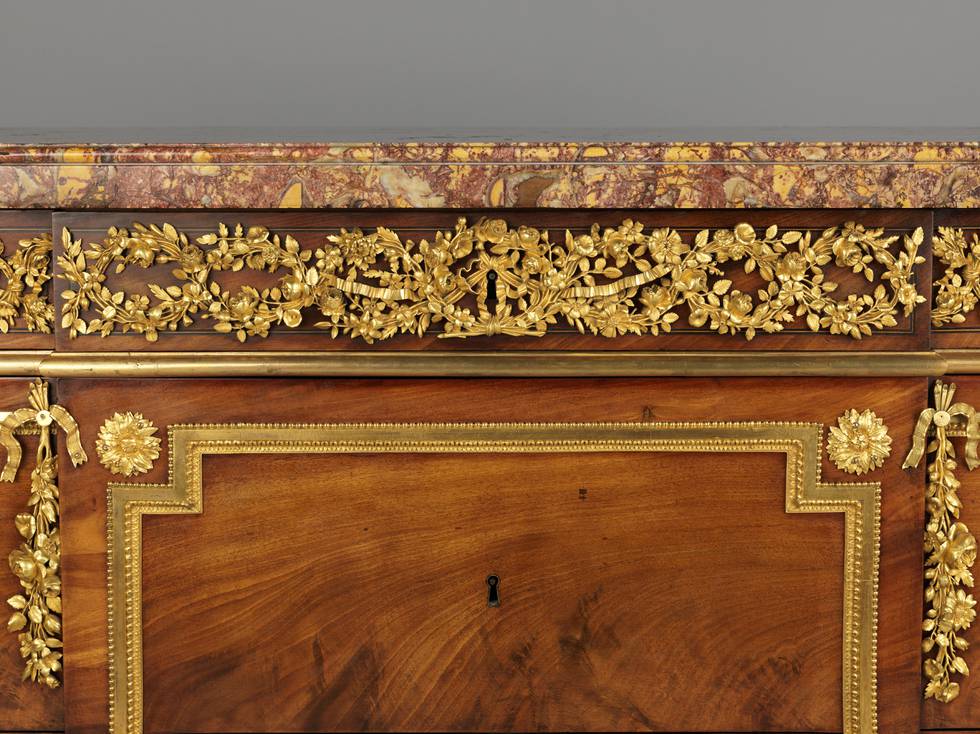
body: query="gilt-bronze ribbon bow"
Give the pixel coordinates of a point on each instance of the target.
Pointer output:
(941, 416)
(43, 414)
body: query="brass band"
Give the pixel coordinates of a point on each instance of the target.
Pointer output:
(488, 364)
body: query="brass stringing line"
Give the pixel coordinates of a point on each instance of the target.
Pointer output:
(412, 286)
(858, 718)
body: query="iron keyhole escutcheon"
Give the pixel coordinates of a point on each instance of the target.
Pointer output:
(492, 287)
(493, 598)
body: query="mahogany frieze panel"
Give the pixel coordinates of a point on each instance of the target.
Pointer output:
(487, 277)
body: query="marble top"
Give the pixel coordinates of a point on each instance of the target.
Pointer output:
(213, 168)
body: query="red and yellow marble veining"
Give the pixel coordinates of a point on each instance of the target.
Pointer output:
(492, 174)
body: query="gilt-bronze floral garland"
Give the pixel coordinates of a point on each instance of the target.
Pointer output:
(950, 548)
(958, 290)
(26, 271)
(36, 563)
(490, 279)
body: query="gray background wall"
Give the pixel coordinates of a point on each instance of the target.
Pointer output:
(490, 63)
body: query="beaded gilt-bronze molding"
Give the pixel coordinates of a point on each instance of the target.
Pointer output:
(36, 563)
(26, 271)
(490, 279)
(189, 445)
(949, 546)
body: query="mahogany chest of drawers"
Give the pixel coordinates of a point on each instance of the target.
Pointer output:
(489, 437)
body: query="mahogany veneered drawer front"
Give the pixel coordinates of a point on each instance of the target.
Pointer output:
(396, 280)
(670, 554)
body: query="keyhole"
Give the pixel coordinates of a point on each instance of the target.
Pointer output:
(491, 287)
(493, 600)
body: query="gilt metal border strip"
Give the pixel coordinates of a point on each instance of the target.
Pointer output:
(485, 364)
(188, 444)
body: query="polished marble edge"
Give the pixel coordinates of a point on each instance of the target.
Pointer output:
(437, 150)
(431, 173)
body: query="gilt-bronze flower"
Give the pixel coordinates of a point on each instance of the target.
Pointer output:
(126, 444)
(859, 443)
